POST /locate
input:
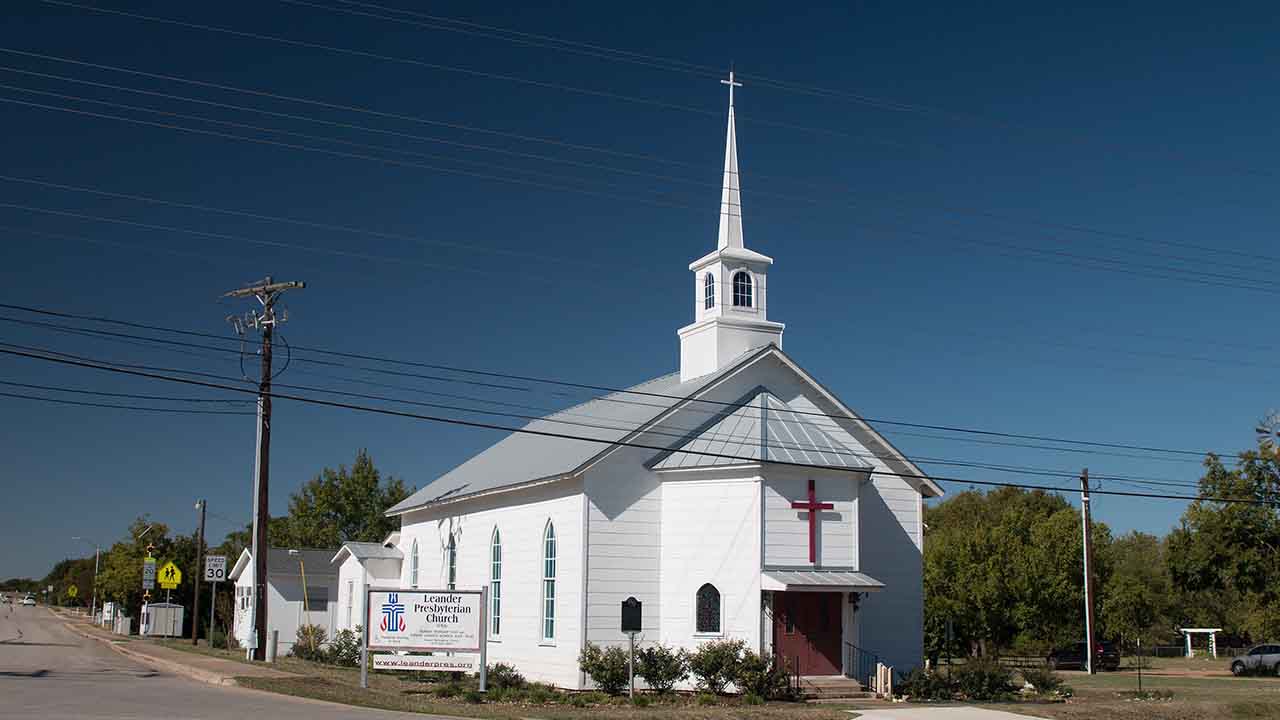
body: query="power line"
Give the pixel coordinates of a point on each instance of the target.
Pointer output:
(1048, 255)
(596, 149)
(610, 443)
(609, 389)
(134, 408)
(131, 396)
(439, 22)
(1194, 273)
(556, 416)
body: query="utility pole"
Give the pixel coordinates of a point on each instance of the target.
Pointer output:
(266, 293)
(1086, 522)
(195, 604)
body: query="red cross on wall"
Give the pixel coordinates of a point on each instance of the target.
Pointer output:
(812, 506)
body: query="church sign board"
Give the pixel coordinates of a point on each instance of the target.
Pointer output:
(437, 621)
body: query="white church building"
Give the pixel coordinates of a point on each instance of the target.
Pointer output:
(736, 498)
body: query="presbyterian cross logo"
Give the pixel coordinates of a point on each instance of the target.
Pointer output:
(392, 614)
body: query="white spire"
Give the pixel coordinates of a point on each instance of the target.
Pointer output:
(730, 195)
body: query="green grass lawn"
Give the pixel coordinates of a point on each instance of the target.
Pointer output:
(1176, 697)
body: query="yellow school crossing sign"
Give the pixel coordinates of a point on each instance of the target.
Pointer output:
(73, 591)
(169, 576)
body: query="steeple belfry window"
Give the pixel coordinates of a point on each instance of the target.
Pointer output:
(708, 291)
(742, 289)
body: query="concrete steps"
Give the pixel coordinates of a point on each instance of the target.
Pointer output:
(817, 689)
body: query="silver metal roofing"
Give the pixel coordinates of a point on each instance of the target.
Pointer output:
(818, 579)
(764, 428)
(369, 551)
(523, 457)
(280, 561)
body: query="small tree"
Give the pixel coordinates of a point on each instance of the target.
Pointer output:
(662, 667)
(760, 675)
(608, 667)
(715, 664)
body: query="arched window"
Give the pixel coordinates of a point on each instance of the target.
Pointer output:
(549, 582)
(413, 565)
(495, 584)
(742, 289)
(708, 609)
(708, 291)
(451, 562)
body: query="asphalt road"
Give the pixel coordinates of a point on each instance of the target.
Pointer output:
(50, 672)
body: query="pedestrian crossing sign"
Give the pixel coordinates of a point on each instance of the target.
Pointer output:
(170, 576)
(73, 591)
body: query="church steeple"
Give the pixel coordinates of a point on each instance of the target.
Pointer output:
(731, 193)
(731, 297)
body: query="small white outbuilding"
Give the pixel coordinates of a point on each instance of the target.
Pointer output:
(362, 565)
(288, 607)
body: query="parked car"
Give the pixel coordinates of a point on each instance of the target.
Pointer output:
(28, 600)
(1072, 657)
(1260, 658)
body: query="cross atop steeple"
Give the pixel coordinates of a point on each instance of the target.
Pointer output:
(731, 85)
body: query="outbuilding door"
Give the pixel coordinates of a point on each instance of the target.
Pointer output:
(807, 631)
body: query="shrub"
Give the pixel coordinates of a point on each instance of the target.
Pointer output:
(922, 686)
(608, 667)
(984, 679)
(706, 699)
(752, 699)
(715, 664)
(475, 697)
(1043, 679)
(641, 701)
(448, 689)
(345, 648)
(504, 676)
(661, 667)
(308, 643)
(541, 693)
(761, 675)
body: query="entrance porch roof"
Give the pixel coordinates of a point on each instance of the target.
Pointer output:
(818, 580)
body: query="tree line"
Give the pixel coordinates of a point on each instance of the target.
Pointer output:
(1004, 568)
(335, 506)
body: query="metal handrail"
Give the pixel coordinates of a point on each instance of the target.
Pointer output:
(859, 663)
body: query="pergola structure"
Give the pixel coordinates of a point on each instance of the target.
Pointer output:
(1213, 639)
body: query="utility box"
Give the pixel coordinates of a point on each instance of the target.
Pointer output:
(124, 624)
(108, 614)
(161, 620)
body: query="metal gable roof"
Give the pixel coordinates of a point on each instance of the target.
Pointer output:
(522, 457)
(368, 551)
(763, 429)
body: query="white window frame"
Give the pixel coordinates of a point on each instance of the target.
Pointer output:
(451, 563)
(708, 291)
(351, 601)
(495, 584)
(751, 289)
(413, 564)
(549, 555)
(720, 621)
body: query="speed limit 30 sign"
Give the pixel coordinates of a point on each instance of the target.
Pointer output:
(215, 568)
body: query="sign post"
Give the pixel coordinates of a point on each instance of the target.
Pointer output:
(215, 570)
(631, 625)
(434, 621)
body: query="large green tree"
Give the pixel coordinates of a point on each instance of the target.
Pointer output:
(1225, 556)
(1138, 601)
(1005, 569)
(340, 505)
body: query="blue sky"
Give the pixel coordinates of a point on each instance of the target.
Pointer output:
(1031, 220)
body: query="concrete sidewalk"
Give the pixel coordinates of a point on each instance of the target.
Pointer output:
(927, 712)
(194, 665)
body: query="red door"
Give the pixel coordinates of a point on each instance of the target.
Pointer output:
(807, 631)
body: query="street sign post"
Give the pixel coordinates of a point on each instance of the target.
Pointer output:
(149, 573)
(437, 621)
(632, 615)
(215, 570)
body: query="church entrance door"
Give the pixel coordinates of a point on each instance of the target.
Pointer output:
(807, 631)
